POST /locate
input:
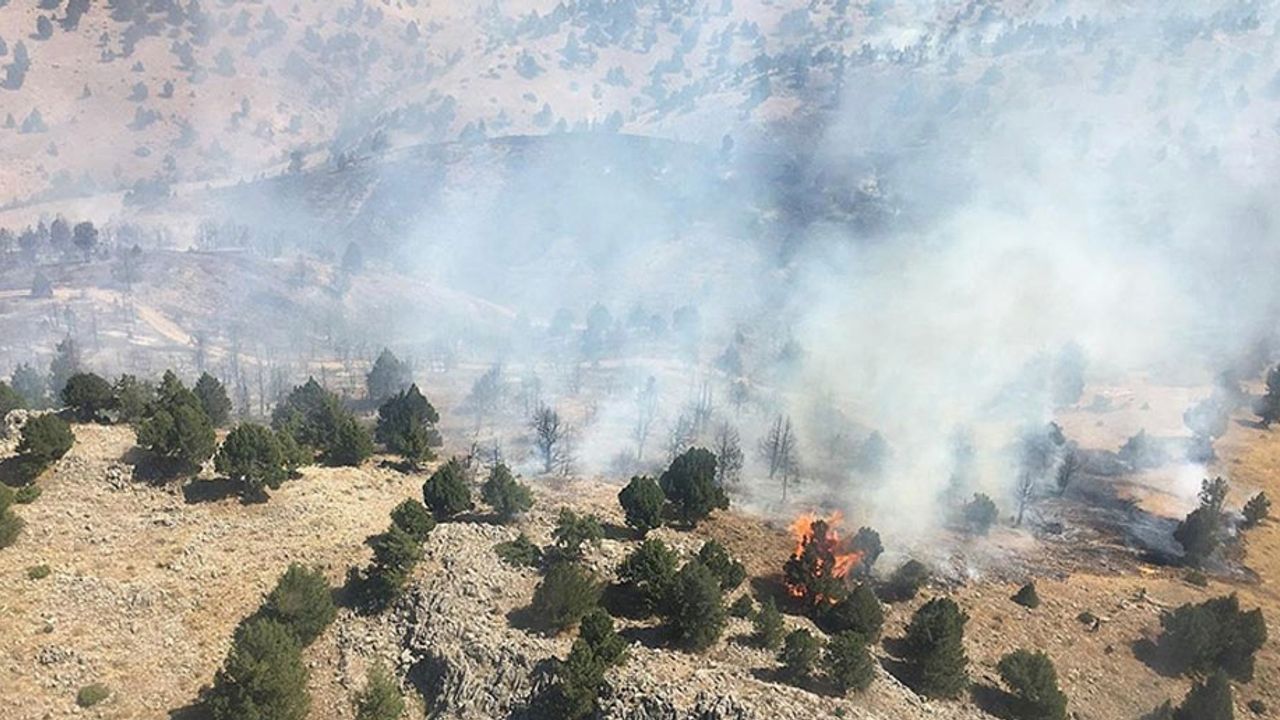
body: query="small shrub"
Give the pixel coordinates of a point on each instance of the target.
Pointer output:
(848, 663)
(45, 439)
(381, 698)
(1257, 707)
(1027, 596)
(1196, 577)
(906, 581)
(38, 572)
(520, 552)
(27, 494)
(1034, 682)
(573, 694)
(1257, 509)
(302, 603)
(642, 502)
(742, 607)
(768, 626)
(572, 531)
(695, 608)
(413, 517)
(799, 654)
(395, 553)
(10, 528)
(566, 594)
(980, 514)
(729, 571)
(597, 631)
(446, 493)
(649, 570)
(91, 695)
(505, 494)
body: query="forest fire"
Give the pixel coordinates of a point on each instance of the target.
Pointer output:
(820, 562)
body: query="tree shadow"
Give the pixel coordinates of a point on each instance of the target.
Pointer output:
(650, 636)
(621, 601)
(994, 701)
(620, 533)
(195, 710)
(16, 472)
(216, 490)
(153, 469)
(1159, 660)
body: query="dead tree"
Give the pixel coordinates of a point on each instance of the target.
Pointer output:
(778, 450)
(549, 434)
(646, 413)
(729, 460)
(681, 436)
(1068, 466)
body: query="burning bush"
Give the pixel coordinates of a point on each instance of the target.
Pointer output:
(817, 569)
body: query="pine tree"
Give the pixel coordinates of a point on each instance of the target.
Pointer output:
(407, 425)
(729, 571)
(413, 517)
(263, 676)
(695, 610)
(505, 494)
(768, 626)
(847, 662)
(446, 493)
(387, 377)
(45, 439)
(859, 612)
(649, 571)
(252, 456)
(302, 603)
(572, 531)
(800, 651)
(1208, 700)
(213, 399)
(690, 485)
(566, 594)
(88, 396)
(1034, 682)
(1268, 408)
(934, 646)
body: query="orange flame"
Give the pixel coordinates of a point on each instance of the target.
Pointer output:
(804, 532)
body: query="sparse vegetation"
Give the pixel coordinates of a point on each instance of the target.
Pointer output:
(38, 572)
(380, 699)
(521, 552)
(91, 695)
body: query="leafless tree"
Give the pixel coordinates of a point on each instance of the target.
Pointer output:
(778, 449)
(486, 394)
(729, 459)
(1025, 491)
(681, 436)
(701, 409)
(549, 436)
(646, 413)
(1068, 466)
